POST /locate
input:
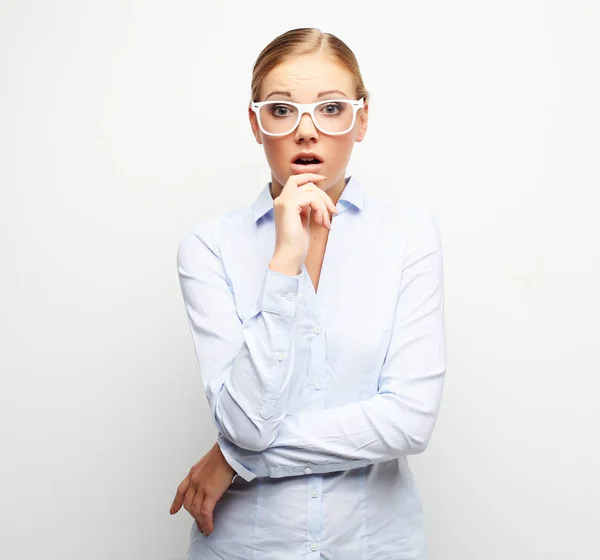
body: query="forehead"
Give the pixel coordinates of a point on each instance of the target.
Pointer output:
(306, 75)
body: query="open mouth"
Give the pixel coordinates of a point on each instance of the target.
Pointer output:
(304, 161)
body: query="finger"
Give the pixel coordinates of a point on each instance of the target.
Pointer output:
(308, 199)
(196, 508)
(189, 499)
(317, 217)
(326, 218)
(321, 214)
(303, 178)
(180, 495)
(311, 187)
(206, 513)
(322, 217)
(327, 200)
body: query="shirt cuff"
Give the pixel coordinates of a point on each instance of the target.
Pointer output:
(235, 465)
(280, 292)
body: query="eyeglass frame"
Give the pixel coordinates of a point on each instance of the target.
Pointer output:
(310, 109)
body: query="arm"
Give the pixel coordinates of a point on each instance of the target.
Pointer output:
(400, 417)
(245, 366)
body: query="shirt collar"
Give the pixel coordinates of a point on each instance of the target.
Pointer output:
(352, 195)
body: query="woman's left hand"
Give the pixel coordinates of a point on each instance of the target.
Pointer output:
(202, 488)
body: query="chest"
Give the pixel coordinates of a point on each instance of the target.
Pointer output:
(351, 274)
(315, 255)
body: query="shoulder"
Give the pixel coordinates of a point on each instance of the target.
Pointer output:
(406, 207)
(411, 218)
(212, 232)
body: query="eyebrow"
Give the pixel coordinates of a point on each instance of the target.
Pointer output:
(328, 92)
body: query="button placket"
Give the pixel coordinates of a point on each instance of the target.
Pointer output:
(314, 527)
(318, 360)
(317, 402)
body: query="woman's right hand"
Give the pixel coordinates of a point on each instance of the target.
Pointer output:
(299, 197)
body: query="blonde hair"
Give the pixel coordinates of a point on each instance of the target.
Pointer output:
(305, 40)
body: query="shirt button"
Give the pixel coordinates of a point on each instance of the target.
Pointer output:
(314, 493)
(314, 546)
(281, 357)
(318, 385)
(317, 330)
(307, 470)
(290, 296)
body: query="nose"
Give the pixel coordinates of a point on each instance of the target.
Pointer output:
(306, 128)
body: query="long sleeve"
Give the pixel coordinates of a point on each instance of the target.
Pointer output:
(400, 417)
(245, 366)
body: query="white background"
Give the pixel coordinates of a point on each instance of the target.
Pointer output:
(124, 123)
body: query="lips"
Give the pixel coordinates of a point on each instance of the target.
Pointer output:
(312, 167)
(306, 168)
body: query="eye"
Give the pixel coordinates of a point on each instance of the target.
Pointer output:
(281, 110)
(331, 108)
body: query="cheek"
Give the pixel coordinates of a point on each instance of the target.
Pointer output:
(343, 149)
(276, 145)
(272, 149)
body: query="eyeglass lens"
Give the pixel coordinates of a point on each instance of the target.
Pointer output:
(281, 118)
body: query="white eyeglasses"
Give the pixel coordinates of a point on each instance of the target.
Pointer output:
(333, 116)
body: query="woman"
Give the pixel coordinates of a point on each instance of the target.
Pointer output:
(317, 319)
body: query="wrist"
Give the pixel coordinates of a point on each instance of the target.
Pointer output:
(226, 464)
(286, 264)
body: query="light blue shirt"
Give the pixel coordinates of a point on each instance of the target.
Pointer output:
(318, 397)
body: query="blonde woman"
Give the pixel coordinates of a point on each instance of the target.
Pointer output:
(317, 316)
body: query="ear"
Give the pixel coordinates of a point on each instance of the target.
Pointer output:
(363, 121)
(254, 125)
